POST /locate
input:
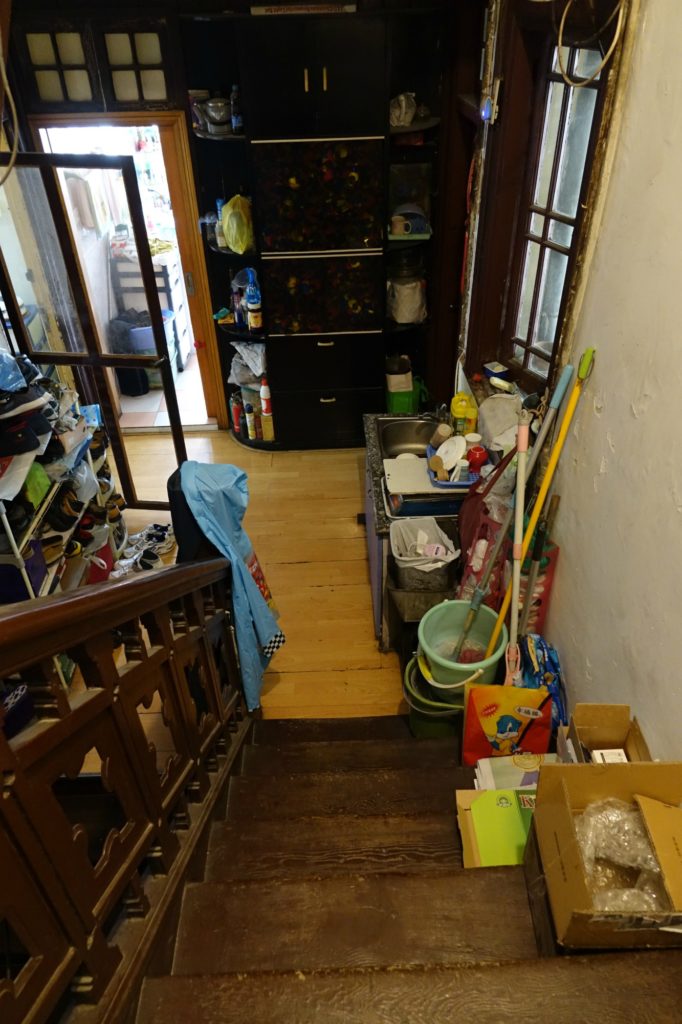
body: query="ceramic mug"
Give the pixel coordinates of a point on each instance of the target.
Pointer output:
(472, 440)
(400, 225)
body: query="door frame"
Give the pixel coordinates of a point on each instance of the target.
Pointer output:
(178, 164)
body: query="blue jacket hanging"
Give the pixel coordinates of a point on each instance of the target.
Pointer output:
(218, 497)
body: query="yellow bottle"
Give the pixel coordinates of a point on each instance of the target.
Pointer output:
(464, 412)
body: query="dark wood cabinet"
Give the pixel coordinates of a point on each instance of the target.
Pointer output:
(323, 418)
(301, 77)
(325, 171)
(342, 361)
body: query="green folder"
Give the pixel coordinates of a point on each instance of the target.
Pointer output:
(501, 819)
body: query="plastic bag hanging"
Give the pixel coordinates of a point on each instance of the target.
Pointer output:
(237, 224)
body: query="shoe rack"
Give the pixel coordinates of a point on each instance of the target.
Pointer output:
(62, 573)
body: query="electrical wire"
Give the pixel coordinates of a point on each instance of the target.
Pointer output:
(15, 118)
(578, 83)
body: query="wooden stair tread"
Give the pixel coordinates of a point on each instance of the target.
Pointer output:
(349, 755)
(388, 792)
(336, 845)
(463, 917)
(314, 730)
(630, 988)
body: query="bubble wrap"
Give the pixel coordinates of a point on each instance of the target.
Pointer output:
(613, 830)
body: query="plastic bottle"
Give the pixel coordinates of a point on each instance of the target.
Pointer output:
(464, 413)
(237, 411)
(235, 112)
(267, 426)
(253, 304)
(265, 399)
(250, 421)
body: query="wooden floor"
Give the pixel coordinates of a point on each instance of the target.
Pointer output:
(302, 522)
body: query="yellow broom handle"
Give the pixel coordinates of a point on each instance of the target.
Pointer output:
(583, 373)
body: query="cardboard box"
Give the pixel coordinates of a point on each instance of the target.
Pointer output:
(604, 726)
(563, 792)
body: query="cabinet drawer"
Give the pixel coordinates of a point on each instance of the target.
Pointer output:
(323, 419)
(352, 360)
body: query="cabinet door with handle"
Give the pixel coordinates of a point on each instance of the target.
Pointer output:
(313, 76)
(349, 76)
(277, 76)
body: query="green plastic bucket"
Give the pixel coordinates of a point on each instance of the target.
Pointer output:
(439, 630)
(417, 694)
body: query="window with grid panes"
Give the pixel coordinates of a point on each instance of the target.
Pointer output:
(550, 213)
(59, 67)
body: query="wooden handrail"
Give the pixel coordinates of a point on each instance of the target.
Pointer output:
(119, 738)
(67, 619)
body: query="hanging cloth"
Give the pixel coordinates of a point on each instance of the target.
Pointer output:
(218, 497)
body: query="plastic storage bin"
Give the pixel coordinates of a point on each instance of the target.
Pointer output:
(142, 343)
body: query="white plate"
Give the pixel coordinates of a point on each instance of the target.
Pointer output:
(452, 450)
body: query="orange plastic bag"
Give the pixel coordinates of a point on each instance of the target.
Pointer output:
(502, 720)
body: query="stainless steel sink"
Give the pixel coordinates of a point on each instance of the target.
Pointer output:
(404, 434)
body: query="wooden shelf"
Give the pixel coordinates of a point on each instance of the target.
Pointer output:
(212, 137)
(240, 335)
(417, 125)
(224, 250)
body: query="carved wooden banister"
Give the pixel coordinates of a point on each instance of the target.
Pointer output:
(67, 618)
(95, 788)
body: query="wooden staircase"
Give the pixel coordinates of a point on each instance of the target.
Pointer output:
(334, 891)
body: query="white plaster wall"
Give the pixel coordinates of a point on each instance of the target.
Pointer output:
(616, 613)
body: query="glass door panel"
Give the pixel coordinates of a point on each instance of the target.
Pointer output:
(318, 196)
(59, 293)
(35, 266)
(323, 294)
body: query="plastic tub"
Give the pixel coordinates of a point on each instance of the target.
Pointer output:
(427, 719)
(441, 627)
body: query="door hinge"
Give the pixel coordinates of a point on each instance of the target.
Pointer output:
(189, 283)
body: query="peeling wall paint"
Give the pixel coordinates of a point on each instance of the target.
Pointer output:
(616, 613)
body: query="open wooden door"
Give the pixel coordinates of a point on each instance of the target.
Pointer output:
(178, 166)
(59, 250)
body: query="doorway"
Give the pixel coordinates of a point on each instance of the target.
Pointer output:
(152, 142)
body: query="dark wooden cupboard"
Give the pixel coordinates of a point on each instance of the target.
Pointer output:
(314, 76)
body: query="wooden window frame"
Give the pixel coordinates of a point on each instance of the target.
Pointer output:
(527, 34)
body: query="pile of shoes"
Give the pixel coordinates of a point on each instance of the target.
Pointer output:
(145, 549)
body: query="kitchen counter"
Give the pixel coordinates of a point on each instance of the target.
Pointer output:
(375, 469)
(378, 524)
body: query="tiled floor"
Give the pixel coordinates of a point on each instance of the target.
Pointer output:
(150, 410)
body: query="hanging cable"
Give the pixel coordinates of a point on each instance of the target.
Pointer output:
(15, 119)
(578, 83)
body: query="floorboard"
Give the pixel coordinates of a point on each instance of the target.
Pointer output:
(302, 520)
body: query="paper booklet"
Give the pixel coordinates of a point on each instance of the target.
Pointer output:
(517, 771)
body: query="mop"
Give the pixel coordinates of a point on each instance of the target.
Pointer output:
(544, 531)
(482, 588)
(513, 654)
(584, 371)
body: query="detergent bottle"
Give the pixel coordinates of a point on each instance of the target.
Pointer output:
(464, 412)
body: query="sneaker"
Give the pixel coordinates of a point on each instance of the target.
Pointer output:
(12, 403)
(53, 548)
(147, 559)
(98, 512)
(113, 514)
(117, 499)
(73, 549)
(156, 542)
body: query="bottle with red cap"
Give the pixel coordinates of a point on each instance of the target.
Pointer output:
(265, 401)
